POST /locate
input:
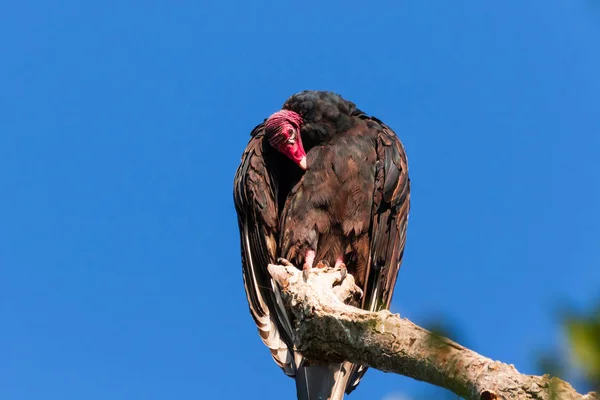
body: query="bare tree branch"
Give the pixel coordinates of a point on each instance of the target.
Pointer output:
(327, 329)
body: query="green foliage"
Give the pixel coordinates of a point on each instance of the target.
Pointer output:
(442, 328)
(583, 333)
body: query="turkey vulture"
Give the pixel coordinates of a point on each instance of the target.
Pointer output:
(320, 183)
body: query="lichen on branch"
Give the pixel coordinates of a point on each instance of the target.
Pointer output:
(328, 328)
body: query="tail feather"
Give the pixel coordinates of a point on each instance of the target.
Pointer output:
(356, 374)
(322, 382)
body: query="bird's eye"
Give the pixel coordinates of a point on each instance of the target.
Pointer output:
(292, 136)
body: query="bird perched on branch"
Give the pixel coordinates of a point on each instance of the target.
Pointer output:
(320, 183)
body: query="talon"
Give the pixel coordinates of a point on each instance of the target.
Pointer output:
(305, 272)
(284, 262)
(323, 264)
(343, 272)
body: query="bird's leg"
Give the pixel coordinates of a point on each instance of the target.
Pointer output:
(284, 262)
(343, 270)
(309, 259)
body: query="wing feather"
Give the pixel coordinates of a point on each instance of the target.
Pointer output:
(391, 205)
(257, 210)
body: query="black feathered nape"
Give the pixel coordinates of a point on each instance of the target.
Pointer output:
(324, 113)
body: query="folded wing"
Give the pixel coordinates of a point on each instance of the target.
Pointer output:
(391, 204)
(256, 204)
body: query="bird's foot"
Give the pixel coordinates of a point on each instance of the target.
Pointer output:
(284, 262)
(309, 259)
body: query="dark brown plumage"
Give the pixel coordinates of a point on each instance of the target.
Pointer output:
(350, 207)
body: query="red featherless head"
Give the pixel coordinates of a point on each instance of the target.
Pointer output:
(282, 130)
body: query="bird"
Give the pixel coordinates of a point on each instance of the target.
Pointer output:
(320, 183)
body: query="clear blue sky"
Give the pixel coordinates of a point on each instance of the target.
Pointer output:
(122, 124)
